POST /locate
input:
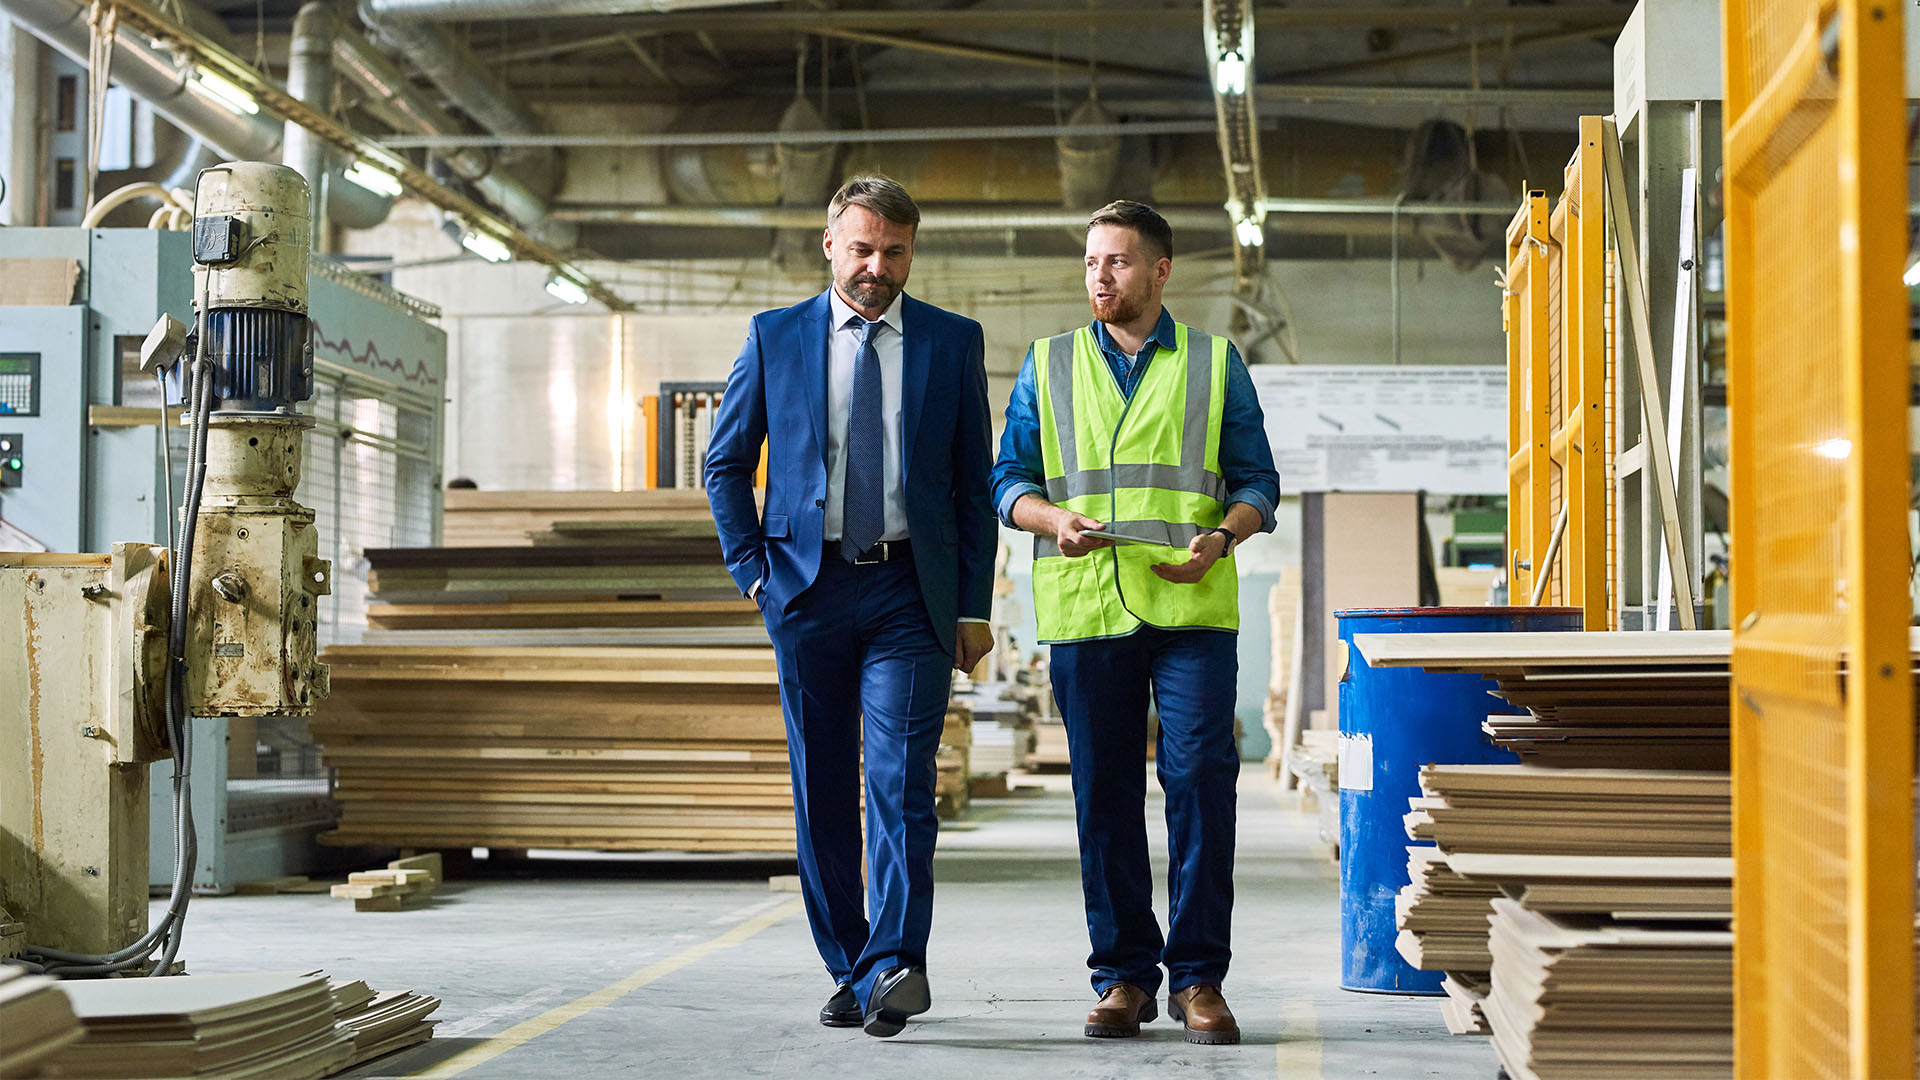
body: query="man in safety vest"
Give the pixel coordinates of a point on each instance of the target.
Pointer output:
(1135, 452)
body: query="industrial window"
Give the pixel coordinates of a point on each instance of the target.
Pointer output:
(63, 175)
(66, 103)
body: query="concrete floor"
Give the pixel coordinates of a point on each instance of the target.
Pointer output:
(691, 968)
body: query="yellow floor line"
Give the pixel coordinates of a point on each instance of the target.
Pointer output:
(553, 1018)
(1297, 1055)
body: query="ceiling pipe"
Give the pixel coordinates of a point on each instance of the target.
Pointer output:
(153, 76)
(310, 79)
(392, 98)
(450, 66)
(475, 10)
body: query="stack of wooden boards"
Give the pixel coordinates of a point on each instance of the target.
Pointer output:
(278, 1026)
(1580, 902)
(36, 1022)
(381, 1021)
(403, 885)
(1630, 699)
(615, 748)
(953, 784)
(584, 676)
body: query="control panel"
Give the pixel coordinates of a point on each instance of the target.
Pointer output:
(19, 384)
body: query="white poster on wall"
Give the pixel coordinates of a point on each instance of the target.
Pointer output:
(1371, 428)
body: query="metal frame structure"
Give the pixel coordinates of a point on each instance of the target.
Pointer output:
(1818, 384)
(1558, 362)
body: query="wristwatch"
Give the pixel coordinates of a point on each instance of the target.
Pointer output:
(1231, 539)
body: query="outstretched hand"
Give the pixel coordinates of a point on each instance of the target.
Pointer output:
(1202, 552)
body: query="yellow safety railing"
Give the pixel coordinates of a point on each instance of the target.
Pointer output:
(1817, 380)
(1558, 438)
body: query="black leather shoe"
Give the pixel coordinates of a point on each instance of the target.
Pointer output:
(842, 1009)
(899, 994)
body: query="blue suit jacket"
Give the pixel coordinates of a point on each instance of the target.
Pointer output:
(777, 395)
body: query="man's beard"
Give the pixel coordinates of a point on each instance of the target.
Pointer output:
(1120, 310)
(870, 292)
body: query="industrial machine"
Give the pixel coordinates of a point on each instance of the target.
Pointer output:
(120, 656)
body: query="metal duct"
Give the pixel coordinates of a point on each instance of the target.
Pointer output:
(391, 97)
(451, 67)
(153, 76)
(477, 10)
(807, 178)
(1088, 163)
(310, 79)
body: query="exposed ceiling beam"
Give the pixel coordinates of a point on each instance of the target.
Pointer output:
(759, 138)
(1005, 56)
(1448, 52)
(1270, 17)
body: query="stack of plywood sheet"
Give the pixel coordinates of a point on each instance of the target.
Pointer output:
(1583, 996)
(36, 1022)
(401, 885)
(1631, 699)
(492, 518)
(1442, 916)
(277, 1026)
(605, 747)
(382, 1021)
(953, 786)
(1529, 810)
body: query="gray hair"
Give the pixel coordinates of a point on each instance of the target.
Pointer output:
(879, 194)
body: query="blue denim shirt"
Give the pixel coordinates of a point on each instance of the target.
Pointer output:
(1246, 461)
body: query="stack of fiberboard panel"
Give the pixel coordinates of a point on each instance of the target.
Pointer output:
(586, 675)
(36, 1021)
(598, 747)
(1630, 699)
(1598, 872)
(275, 1026)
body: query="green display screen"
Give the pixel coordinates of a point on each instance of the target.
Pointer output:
(16, 363)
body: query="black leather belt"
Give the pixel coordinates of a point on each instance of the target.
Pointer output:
(884, 551)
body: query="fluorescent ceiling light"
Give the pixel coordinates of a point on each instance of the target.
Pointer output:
(486, 245)
(230, 93)
(1249, 233)
(1912, 276)
(1230, 74)
(565, 288)
(375, 180)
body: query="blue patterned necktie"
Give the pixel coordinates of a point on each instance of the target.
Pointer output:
(863, 511)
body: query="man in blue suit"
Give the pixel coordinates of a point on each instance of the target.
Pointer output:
(874, 571)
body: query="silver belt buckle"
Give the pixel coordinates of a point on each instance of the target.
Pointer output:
(874, 556)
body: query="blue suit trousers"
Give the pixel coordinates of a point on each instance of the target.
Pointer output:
(860, 664)
(1103, 688)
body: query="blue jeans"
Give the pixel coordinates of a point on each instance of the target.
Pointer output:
(1102, 688)
(858, 656)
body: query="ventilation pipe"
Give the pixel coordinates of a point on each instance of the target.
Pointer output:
(806, 183)
(154, 76)
(310, 80)
(392, 98)
(1088, 163)
(477, 10)
(1442, 166)
(450, 66)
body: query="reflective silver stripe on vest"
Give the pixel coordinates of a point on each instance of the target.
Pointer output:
(1193, 441)
(1191, 475)
(1178, 535)
(1060, 392)
(1165, 477)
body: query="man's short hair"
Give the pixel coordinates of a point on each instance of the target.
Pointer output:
(879, 194)
(1144, 220)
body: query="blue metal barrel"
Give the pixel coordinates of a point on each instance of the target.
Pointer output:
(1392, 721)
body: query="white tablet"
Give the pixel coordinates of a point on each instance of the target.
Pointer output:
(1121, 536)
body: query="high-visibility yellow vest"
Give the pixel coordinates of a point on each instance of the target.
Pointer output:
(1148, 466)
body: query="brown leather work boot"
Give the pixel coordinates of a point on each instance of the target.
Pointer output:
(1205, 1014)
(1121, 1011)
